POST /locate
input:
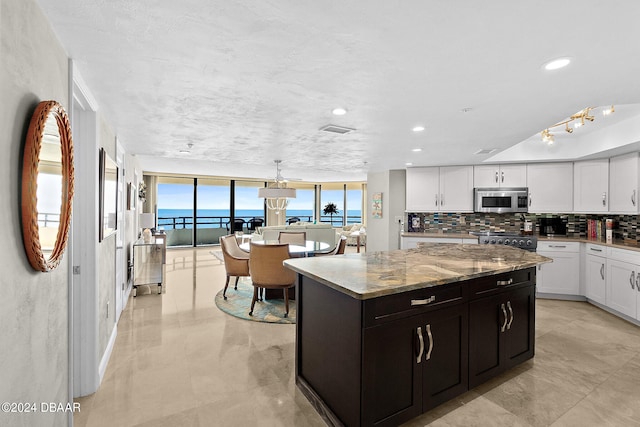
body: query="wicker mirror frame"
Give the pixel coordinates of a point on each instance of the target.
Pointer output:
(31, 158)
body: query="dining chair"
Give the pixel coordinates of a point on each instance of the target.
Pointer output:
(338, 249)
(293, 237)
(268, 272)
(236, 261)
(237, 225)
(254, 223)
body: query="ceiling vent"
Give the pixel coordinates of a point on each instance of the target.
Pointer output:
(486, 151)
(336, 129)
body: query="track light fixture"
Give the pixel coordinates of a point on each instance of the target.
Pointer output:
(577, 120)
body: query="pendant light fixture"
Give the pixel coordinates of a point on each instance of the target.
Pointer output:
(276, 194)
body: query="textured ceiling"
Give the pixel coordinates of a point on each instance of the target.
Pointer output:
(247, 82)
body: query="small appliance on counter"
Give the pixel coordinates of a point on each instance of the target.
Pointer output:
(555, 226)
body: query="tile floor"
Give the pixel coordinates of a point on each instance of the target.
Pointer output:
(179, 361)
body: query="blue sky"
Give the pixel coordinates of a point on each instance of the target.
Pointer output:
(180, 196)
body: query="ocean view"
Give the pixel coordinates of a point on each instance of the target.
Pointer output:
(218, 218)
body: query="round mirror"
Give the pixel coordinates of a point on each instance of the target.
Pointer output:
(47, 186)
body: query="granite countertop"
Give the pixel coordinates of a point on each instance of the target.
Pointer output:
(618, 243)
(375, 274)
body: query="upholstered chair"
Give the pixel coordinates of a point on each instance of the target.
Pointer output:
(298, 238)
(268, 272)
(236, 261)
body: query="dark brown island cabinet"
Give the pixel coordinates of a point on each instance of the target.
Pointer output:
(385, 360)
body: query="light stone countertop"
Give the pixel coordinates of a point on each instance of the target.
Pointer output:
(375, 274)
(617, 243)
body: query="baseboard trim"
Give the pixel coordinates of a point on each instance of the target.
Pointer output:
(107, 354)
(565, 297)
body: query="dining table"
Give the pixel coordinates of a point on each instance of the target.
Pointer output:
(310, 248)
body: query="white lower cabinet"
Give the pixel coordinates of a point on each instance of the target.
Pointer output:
(623, 278)
(596, 273)
(562, 275)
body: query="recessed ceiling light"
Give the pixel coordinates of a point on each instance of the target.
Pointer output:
(416, 150)
(418, 128)
(185, 152)
(556, 64)
(408, 164)
(339, 111)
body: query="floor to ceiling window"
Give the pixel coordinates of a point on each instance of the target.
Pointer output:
(249, 208)
(213, 210)
(302, 208)
(208, 208)
(176, 210)
(354, 203)
(332, 193)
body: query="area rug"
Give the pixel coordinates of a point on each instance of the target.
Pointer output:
(238, 304)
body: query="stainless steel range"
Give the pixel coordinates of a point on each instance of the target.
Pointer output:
(528, 243)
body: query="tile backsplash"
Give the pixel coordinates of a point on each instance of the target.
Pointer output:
(625, 225)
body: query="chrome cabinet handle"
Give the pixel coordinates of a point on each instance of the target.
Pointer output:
(504, 282)
(530, 199)
(436, 199)
(503, 177)
(633, 197)
(595, 249)
(557, 246)
(511, 313)
(425, 301)
(604, 199)
(428, 356)
(638, 282)
(496, 177)
(632, 279)
(441, 199)
(602, 271)
(504, 312)
(419, 359)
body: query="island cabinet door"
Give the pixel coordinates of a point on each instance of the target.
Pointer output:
(391, 375)
(445, 364)
(501, 332)
(414, 364)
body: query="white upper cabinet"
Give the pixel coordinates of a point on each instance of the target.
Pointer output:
(623, 181)
(507, 176)
(437, 189)
(550, 187)
(423, 189)
(591, 186)
(456, 189)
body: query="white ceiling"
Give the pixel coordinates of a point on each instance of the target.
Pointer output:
(248, 82)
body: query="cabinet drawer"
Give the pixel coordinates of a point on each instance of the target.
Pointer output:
(498, 283)
(392, 307)
(558, 246)
(598, 250)
(624, 255)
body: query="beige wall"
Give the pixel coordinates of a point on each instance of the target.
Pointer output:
(34, 306)
(106, 257)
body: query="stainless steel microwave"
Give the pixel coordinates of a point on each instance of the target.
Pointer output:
(500, 200)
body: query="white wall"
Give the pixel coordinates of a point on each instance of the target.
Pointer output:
(34, 317)
(383, 233)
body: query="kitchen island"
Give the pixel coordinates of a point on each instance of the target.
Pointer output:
(385, 336)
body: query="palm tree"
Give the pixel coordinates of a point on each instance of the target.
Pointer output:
(330, 209)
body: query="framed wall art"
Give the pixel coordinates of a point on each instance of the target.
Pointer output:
(376, 205)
